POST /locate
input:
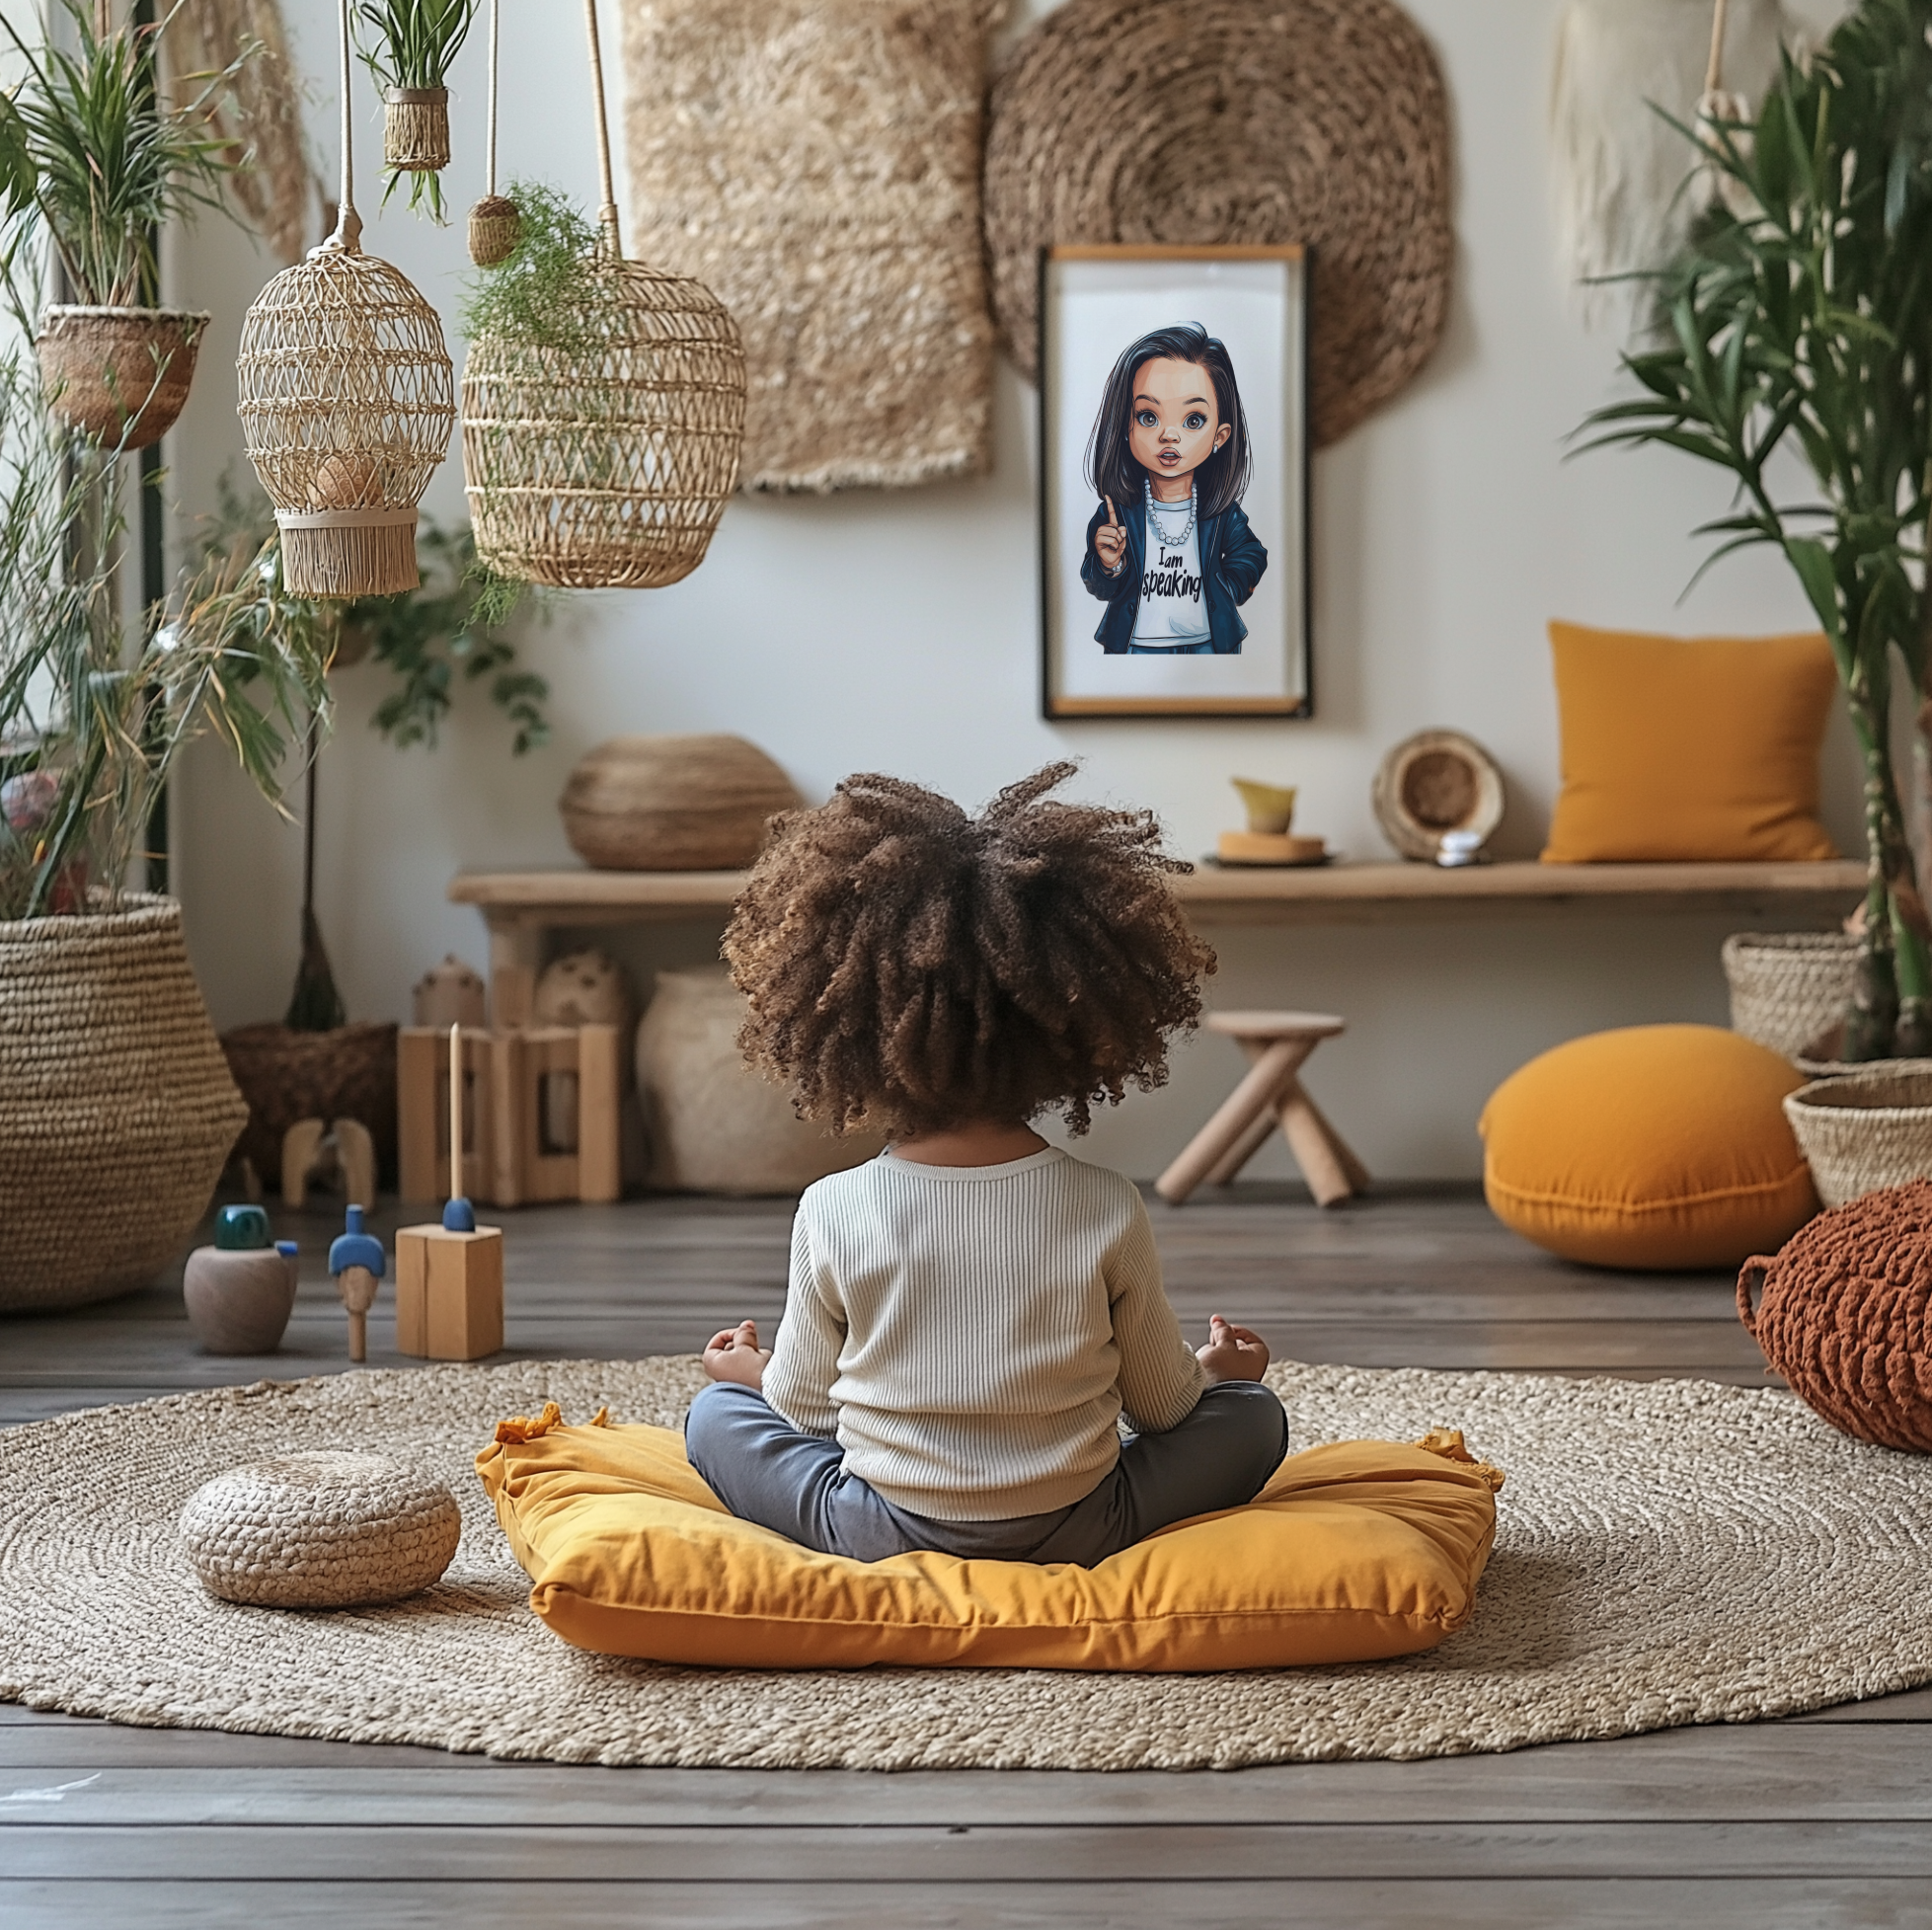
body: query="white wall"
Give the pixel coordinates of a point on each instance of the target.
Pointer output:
(899, 632)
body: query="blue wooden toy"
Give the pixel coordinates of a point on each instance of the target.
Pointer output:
(357, 1263)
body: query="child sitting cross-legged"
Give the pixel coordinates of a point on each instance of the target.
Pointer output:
(973, 1314)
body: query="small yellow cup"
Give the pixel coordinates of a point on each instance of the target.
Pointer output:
(1271, 806)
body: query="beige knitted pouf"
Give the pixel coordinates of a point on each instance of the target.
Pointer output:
(326, 1529)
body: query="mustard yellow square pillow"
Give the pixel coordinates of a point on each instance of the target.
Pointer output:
(1682, 748)
(1351, 1553)
(1654, 1146)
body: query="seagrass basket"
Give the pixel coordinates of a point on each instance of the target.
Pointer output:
(416, 128)
(1788, 989)
(117, 1110)
(119, 375)
(347, 1073)
(607, 465)
(1865, 1129)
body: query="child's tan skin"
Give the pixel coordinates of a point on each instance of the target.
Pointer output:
(1231, 1352)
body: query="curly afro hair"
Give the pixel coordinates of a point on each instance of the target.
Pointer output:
(915, 968)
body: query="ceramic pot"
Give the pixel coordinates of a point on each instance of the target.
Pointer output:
(105, 365)
(239, 1302)
(117, 1110)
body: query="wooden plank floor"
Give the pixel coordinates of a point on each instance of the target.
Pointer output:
(1825, 1821)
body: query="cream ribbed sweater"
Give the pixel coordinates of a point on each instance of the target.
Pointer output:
(971, 1334)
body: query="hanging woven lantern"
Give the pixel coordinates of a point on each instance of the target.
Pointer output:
(606, 465)
(347, 405)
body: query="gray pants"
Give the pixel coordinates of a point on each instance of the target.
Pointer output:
(765, 1470)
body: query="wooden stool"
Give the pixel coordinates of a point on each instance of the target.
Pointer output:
(1278, 1043)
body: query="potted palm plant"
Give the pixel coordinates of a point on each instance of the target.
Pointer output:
(89, 144)
(117, 1109)
(408, 46)
(1796, 323)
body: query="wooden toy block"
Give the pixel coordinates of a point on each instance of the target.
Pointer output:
(541, 1114)
(449, 1292)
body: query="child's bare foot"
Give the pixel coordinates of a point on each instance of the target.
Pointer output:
(734, 1355)
(1231, 1352)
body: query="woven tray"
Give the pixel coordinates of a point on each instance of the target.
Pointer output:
(1321, 122)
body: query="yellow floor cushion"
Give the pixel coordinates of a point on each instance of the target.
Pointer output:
(1349, 1554)
(1656, 1146)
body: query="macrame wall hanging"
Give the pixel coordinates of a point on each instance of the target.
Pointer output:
(347, 400)
(817, 162)
(1320, 122)
(1620, 174)
(603, 458)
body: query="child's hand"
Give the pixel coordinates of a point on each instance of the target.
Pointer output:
(734, 1355)
(1231, 1352)
(1109, 540)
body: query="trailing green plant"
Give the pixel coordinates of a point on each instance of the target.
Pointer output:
(552, 289)
(88, 143)
(1805, 325)
(411, 43)
(434, 639)
(92, 722)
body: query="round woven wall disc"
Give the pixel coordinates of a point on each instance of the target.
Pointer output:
(1435, 782)
(1319, 121)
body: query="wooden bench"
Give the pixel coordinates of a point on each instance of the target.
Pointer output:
(523, 907)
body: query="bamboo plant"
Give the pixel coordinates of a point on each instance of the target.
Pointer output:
(1805, 325)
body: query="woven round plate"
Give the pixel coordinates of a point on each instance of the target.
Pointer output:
(1320, 122)
(1667, 1552)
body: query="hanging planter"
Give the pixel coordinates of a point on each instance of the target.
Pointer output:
(347, 405)
(408, 46)
(602, 443)
(416, 128)
(494, 220)
(119, 375)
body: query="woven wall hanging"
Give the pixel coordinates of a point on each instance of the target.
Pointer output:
(1321, 122)
(817, 162)
(347, 400)
(605, 464)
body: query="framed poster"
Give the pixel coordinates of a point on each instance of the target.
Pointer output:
(1174, 482)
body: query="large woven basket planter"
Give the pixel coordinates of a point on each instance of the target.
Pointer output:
(102, 366)
(1789, 989)
(349, 1073)
(117, 1110)
(1867, 1129)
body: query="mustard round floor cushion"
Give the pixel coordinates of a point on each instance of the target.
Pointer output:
(1656, 1146)
(1351, 1553)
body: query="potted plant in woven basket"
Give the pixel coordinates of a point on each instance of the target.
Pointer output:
(97, 160)
(1794, 319)
(317, 1062)
(117, 1110)
(408, 46)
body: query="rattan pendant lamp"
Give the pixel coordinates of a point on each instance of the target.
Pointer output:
(606, 465)
(347, 406)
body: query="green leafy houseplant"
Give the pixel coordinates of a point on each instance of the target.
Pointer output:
(94, 161)
(90, 728)
(1805, 323)
(408, 46)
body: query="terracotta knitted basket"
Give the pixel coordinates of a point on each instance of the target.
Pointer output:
(1867, 1129)
(117, 1109)
(1842, 1314)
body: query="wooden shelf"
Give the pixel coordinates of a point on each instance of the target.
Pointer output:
(1327, 894)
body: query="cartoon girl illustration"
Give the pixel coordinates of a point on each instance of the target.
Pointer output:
(1168, 550)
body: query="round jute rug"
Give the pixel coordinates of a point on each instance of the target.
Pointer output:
(1672, 1552)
